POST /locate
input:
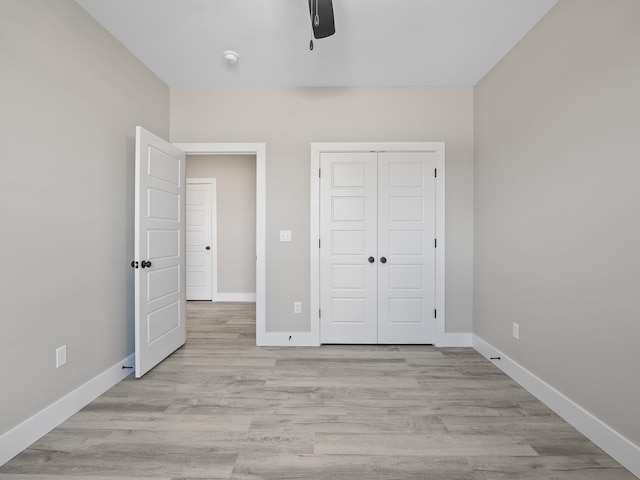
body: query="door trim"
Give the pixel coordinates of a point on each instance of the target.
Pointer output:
(260, 152)
(316, 150)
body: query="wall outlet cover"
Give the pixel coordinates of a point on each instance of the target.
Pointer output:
(285, 235)
(61, 356)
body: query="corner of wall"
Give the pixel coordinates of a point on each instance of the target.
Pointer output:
(605, 437)
(32, 429)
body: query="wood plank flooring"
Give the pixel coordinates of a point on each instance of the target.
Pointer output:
(222, 408)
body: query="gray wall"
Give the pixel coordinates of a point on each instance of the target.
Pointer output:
(71, 97)
(236, 213)
(556, 195)
(288, 120)
(557, 206)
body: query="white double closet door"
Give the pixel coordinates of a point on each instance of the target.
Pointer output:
(377, 252)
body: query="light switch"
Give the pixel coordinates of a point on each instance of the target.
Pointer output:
(285, 235)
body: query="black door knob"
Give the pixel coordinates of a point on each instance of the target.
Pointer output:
(383, 260)
(371, 259)
(207, 247)
(145, 264)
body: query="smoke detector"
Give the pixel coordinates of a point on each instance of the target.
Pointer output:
(230, 56)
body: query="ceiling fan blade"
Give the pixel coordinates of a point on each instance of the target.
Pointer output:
(322, 18)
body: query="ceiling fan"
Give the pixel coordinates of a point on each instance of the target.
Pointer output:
(322, 22)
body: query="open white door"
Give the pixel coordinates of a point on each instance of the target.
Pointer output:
(160, 319)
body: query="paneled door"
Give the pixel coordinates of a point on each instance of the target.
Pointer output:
(348, 249)
(406, 247)
(201, 251)
(159, 250)
(377, 252)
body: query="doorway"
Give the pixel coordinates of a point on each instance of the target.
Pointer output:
(258, 151)
(222, 238)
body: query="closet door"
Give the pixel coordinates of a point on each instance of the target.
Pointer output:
(377, 253)
(406, 250)
(348, 253)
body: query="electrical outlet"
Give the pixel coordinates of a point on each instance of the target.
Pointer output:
(297, 307)
(61, 356)
(516, 330)
(285, 235)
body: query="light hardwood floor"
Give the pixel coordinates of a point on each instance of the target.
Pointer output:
(222, 408)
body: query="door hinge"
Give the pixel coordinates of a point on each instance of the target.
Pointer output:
(319, 173)
(435, 172)
(319, 313)
(435, 313)
(319, 243)
(435, 243)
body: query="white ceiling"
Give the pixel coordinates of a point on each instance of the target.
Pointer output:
(377, 43)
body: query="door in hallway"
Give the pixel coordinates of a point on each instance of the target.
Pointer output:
(200, 238)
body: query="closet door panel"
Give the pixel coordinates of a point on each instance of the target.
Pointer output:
(348, 226)
(406, 233)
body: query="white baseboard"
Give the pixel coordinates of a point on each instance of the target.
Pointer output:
(309, 339)
(618, 447)
(288, 339)
(455, 339)
(235, 297)
(20, 437)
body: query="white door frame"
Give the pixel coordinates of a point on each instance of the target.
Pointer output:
(260, 152)
(316, 150)
(214, 232)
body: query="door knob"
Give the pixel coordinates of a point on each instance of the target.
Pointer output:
(383, 260)
(371, 259)
(145, 263)
(207, 247)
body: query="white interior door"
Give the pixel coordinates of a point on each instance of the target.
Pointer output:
(348, 253)
(200, 235)
(406, 233)
(377, 257)
(160, 326)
